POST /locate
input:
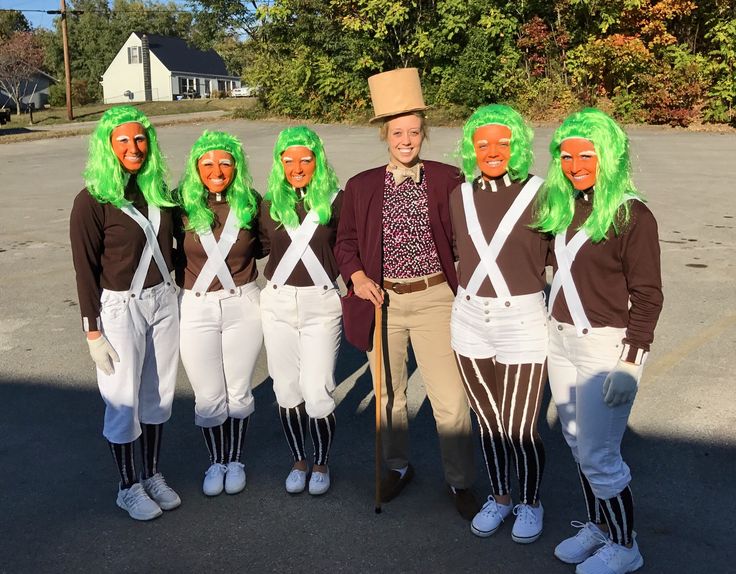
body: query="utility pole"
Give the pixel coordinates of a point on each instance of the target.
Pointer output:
(67, 66)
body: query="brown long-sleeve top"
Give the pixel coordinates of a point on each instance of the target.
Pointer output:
(275, 241)
(191, 256)
(619, 280)
(106, 248)
(522, 259)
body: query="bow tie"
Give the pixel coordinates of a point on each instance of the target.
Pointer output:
(402, 173)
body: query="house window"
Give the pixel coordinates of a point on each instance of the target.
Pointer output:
(188, 87)
(134, 55)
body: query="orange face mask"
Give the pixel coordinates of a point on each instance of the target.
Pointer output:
(299, 165)
(216, 170)
(130, 145)
(492, 145)
(579, 162)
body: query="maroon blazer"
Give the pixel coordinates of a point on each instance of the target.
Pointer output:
(359, 244)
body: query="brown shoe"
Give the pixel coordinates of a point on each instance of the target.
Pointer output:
(465, 502)
(393, 483)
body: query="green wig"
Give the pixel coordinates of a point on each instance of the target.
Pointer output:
(106, 178)
(556, 200)
(240, 193)
(522, 135)
(319, 190)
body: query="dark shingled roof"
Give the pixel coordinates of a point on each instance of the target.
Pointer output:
(178, 56)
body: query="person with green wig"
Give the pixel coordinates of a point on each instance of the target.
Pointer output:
(221, 334)
(498, 326)
(605, 301)
(300, 304)
(121, 233)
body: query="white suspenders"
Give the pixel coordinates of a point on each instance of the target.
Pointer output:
(151, 250)
(489, 252)
(565, 255)
(217, 252)
(299, 250)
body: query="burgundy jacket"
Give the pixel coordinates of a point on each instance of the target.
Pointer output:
(359, 244)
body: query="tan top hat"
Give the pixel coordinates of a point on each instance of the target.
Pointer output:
(396, 92)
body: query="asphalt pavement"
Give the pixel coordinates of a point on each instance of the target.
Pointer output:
(58, 481)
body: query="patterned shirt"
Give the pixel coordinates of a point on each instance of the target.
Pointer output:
(408, 245)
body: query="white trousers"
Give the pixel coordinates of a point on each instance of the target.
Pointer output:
(301, 331)
(512, 329)
(221, 338)
(144, 331)
(578, 366)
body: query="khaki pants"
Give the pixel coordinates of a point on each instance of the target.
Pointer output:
(424, 319)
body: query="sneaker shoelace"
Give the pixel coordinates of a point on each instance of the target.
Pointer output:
(216, 469)
(157, 484)
(587, 533)
(490, 508)
(524, 513)
(136, 496)
(318, 477)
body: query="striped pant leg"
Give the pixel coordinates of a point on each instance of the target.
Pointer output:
(322, 431)
(619, 514)
(482, 389)
(294, 421)
(521, 395)
(150, 440)
(216, 440)
(592, 504)
(235, 430)
(124, 455)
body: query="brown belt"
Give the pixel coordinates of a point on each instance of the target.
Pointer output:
(403, 287)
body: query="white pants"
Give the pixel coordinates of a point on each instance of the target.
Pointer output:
(578, 366)
(221, 337)
(512, 329)
(144, 331)
(301, 331)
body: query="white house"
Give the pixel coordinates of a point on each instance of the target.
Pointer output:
(176, 70)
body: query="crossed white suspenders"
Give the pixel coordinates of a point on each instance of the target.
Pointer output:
(299, 250)
(488, 252)
(565, 254)
(150, 227)
(217, 252)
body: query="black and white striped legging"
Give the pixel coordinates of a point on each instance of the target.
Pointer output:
(618, 511)
(322, 430)
(505, 400)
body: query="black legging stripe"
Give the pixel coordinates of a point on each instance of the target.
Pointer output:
(619, 514)
(592, 504)
(294, 422)
(123, 454)
(236, 437)
(322, 432)
(151, 446)
(214, 439)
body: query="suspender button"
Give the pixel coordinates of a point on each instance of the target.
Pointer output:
(585, 331)
(232, 291)
(198, 294)
(325, 287)
(168, 284)
(467, 297)
(275, 287)
(132, 295)
(559, 327)
(508, 303)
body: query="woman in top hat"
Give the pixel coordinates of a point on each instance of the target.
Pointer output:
(394, 248)
(121, 237)
(499, 326)
(221, 333)
(300, 304)
(605, 302)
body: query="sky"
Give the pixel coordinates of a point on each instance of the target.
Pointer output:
(37, 19)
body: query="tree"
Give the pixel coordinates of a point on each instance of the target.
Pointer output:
(12, 21)
(21, 55)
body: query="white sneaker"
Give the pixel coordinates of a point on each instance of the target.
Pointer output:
(137, 503)
(490, 517)
(296, 481)
(235, 477)
(583, 545)
(612, 558)
(319, 482)
(528, 524)
(160, 492)
(214, 479)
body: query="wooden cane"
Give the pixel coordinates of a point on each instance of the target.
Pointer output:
(377, 378)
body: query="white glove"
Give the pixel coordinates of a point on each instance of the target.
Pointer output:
(621, 384)
(103, 354)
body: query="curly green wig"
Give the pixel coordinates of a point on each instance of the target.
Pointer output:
(240, 194)
(556, 200)
(320, 189)
(522, 135)
(105, 177)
